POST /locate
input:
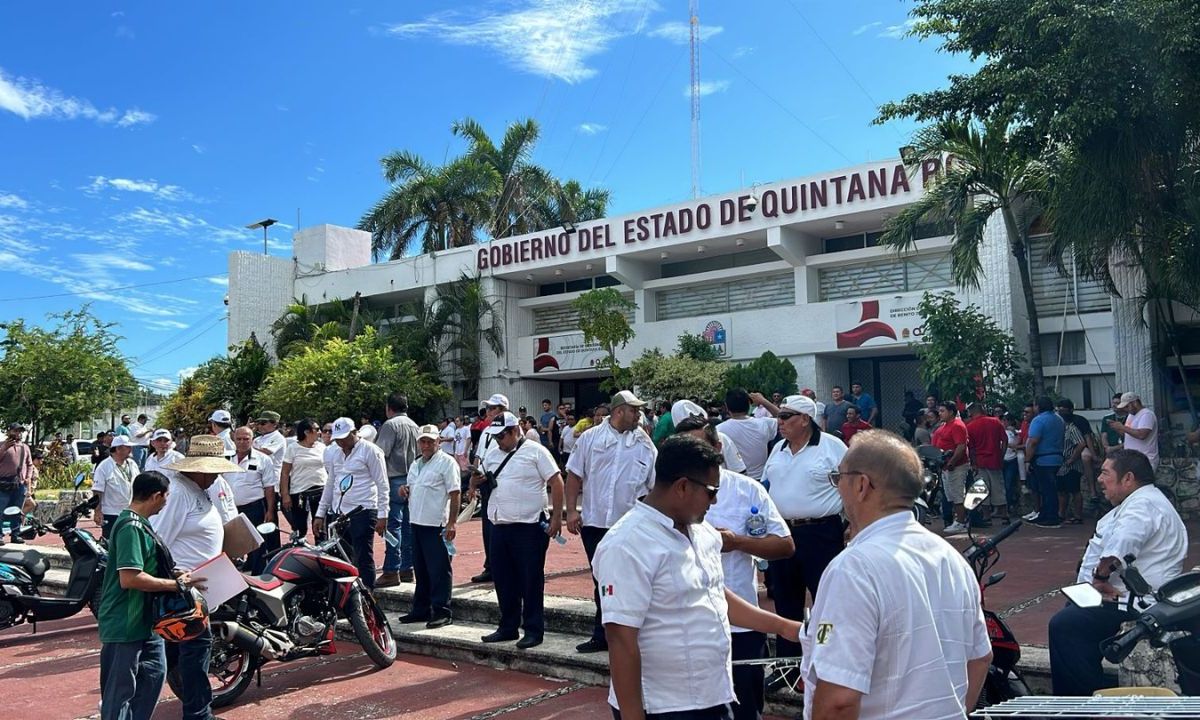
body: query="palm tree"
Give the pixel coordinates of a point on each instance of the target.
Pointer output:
(303, 325)
(988, 171)
(571, 203)
(469, 321)
(518, 182)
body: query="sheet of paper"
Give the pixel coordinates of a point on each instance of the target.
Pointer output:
(241, 537)
(469, 510)
(222, 580)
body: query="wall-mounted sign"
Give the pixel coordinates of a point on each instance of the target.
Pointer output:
(885, 321)
(715, 333)
(557, 353)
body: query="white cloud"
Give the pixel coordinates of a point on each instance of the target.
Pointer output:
(177, 223)
(8, 200)
(222, 281)
(898, 31)
(863, 28)
(152, 187)
(708, 87)
(199, 149)
(592, 128)
(550, 38)
(187, 372)
(167, 324)
(680, 33)
(742, 52)
(98, 262)
(30, 99)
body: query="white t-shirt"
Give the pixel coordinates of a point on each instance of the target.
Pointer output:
(1144, 418)
(1009, 453)
(799, 482)
(226, 436)
(462, 436)
(308, 467)
(733, 455)
(169, 458)
(189, 524)
(616, 470)
(139, 434)
(738, 494)
(532, 435)
(897, 619)
(752, 436)
(568, 439)
(447, 436)
(520, 494)
(222, 497)
(429, 487)
(116, 482)
(671, 587)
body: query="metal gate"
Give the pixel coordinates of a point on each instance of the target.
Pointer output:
(886, 379)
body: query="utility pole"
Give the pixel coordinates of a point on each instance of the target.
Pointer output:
(694, 25)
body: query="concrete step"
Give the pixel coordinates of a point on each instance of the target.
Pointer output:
(478, 604)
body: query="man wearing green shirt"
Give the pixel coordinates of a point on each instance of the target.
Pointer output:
(664, 427)
(1111, 439)
(132, 658)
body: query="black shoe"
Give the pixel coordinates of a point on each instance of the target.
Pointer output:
(410, 618)
(591, 646)
(530, 640)
(483, 577)
(443, 621)
(498, 636)
(18, 540)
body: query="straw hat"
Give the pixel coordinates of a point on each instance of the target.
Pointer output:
(206, 454)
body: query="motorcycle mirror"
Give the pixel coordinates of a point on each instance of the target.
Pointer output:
(346, 483)
(80, 477)
(1083, 595)
(976, 494)
(12, 510)
(267, 529)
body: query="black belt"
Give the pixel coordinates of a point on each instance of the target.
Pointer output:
(813, 521)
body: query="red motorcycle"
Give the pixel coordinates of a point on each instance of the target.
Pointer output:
(291, 612)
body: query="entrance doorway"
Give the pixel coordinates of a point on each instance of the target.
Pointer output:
(584, 393)
(885, 379)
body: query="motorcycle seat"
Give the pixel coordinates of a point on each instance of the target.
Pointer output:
(263, 582)
(30, 560)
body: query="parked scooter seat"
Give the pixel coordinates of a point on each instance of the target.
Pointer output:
(29, 559)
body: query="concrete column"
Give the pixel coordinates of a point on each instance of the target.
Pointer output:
(1132, 342)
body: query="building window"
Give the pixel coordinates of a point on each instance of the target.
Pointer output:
(719, 262)
(1057, 292)
(1068, 348)
(888, 275)
(579, 285)
(869, 239)
(1088, 392)
(723, 297)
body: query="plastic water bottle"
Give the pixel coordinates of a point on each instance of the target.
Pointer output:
(756, 526)
(450, 549)
(557, 538)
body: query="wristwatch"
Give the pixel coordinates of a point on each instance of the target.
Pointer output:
(180, 586)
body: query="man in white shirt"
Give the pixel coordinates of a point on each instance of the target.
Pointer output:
(367, 430)
(740, 499)
(797, 476)
(753, 435)
(897, 630)
(139, 435)
(397, 438)
(112, 483)
(365, 463)
(269, 441)
(254, 488)
(1140, 429)
(163, 455)
(667, 611)
(192, 528)
(446, 435)
(519, 472)
(462, 438)
(613, 466)
(433, 494)
(1142, 523)
(761, 411)
(220, 424)
(684, 409)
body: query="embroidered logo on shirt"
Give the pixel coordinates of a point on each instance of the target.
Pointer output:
(606, 591)
(824, 630)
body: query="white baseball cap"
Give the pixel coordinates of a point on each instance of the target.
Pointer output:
(800, 404)
(120, 441)
(342, 427)
(498, 400)
(429, 432)
(502, 422)
(626, 397)
(161, 433)
(1126, 399)
(684, 409)
(221, 416)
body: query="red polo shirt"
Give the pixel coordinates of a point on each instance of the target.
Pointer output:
(988, 442)
(849, 428)
(949, 436)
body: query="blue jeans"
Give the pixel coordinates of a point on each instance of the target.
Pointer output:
(1046, 481)
(1012, 478)
(12, 498)
(189, 660)
(398, 559)
(140, 453)
(131, 677)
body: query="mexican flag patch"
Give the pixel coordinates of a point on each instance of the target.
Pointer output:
(606, 590)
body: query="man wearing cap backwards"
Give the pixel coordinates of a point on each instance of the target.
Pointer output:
(797, 474)
(269, 441)
(254, 489)
(496, 405)
(191, 527)
(16, 469)
(112, 482)
(364, 462)
(613, 464)
(163, 455)
(1140, 429)
(521, 527)
(432, 493)
(397, 438)
(219, 424)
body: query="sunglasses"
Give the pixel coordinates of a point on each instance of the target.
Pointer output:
(835, 476)
(785, 416)
(711, 489)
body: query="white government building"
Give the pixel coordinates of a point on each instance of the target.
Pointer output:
(791, 267)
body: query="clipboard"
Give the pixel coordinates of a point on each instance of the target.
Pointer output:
(241, 537)
(222, 580)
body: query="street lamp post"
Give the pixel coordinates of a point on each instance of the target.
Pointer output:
(264, 224)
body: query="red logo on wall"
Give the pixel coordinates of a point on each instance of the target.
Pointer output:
(869, 326)
(542, 359)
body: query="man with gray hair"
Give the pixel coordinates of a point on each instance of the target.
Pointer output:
(896, 591)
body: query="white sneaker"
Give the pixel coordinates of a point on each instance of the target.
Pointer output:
(1030, 516)
(955, 528)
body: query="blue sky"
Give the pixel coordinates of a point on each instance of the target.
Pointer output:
(137, 139)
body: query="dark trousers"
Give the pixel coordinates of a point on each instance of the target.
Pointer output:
(189, 661)
(256, 513)
(398, 558)
(431, 566)
(1012, 479)
(106, 527)
(519, 572)
(1045, 480)
(304, 508)
(13, 498)
(591, 537)
(484, 494)
(1075, 637)
(361, 536)
(718, 712)
(816, 545)
(131, 677)
(748, 680)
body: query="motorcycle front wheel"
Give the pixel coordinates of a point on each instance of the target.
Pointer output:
(371, 628)
(230, 670)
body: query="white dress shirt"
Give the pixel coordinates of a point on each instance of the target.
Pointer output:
(139, 434)
(222, 497)
(738, 494)
(897, 619)
(226, 436)
(567, 439)
(752, 436)
(258, 474)
(429, 487)
(447, 438)
(366, 464)
(273, 441)
(116, 482)
(520, 494)
(1147, 526)
(732, 454)
(169, 458)
(308, 467)
(1144, 418)
(669, 586)
(799, 482)
(616, 469)
(189, 524)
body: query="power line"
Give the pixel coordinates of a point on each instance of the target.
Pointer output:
(93, 291)
(179, 347)
(666, 78)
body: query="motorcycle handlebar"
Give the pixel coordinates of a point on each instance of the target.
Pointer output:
(985, 548)
(1117, 648)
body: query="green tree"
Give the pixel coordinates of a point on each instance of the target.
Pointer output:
(604, 319)
(302, 325)
(697, 348)
(963, 350)
(345, 378)
(188, 407)
(987, 173)
(53, 377)
(767, 374)
(234, 379)
(672, 377)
